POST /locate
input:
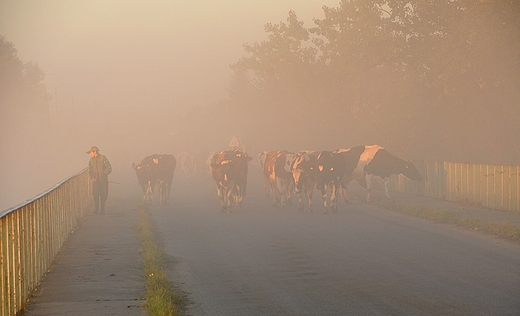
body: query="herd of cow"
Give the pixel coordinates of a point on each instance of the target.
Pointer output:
(284, 173)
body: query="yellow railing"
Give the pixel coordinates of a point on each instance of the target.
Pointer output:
(32, 235)
(490, 186)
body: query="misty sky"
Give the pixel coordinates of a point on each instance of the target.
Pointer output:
(110, 64)
(162, 51)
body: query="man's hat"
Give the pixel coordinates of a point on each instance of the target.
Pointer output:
(93, 148)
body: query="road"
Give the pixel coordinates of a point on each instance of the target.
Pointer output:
(362, 260)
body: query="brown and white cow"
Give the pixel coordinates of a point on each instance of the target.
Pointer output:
(277, 171)
(376, 163)
(229, 170)
(156, 170)
(304, 168)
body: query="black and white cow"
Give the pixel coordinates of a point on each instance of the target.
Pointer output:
(304, 168)
(156, 170)
(376, 163)
(229, 170)
(163, 168)
(351, 159)
(241, 177)
(145, 178)
(330, 173)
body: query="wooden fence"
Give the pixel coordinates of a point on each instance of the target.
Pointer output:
(490, 186)
(32, 235)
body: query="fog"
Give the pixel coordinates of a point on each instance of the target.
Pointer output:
(142, 77)
(119, 73)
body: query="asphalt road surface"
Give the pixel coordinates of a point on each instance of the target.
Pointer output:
(362, 260)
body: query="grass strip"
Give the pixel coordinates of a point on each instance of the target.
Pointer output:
(161, 300)
(506, 230)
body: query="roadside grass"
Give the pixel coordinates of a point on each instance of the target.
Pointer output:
(502, 229)
(161, 300)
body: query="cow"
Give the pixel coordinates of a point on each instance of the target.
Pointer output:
(351, 159)
(156, 170)
(330, 173)
(241, 180)
(229, 170)
(145, 178)
(163, 168)
(304, 168)
(376, 163)
(277, 171)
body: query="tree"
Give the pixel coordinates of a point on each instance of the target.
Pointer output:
(424, 76)
(11, 72)
(20, 82)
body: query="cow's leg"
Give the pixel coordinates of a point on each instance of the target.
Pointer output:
(343, 192)
(324, 196)
(160, 193)
(168, 191)
(163, 193)
(275, 194)
(333, 200)
(220, 195)
(286, 193)
(281, 186)
(149, 192)
(238, 195)
(309, 191)
(144, 189)
(368, 180)
(385, 183)
(344, 185)
(300, 201)
(271, 193)
(229, 196)
(288, 189)
(267, 187)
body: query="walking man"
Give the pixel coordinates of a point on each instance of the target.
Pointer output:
(99, 168)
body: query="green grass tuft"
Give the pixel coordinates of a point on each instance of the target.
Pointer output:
(161, 300)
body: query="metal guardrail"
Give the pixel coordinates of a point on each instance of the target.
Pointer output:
(490, 186)
(32, 235)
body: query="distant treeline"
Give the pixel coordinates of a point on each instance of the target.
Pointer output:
(21, 88)
(437, 80)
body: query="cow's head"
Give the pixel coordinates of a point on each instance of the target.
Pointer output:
(303, 168)
(141, 173)
(222, 165)
(284, 162)
(411, 172)
(325, 172)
